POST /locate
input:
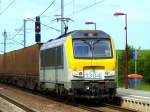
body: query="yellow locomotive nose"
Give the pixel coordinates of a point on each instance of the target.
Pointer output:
(92, 61)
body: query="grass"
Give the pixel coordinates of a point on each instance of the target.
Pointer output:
(145, 86)
(121, 84)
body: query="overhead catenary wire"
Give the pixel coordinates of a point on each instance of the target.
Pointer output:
(7, 7)
(13, 37)
(87, 7)
(21, 29)
(16, 42)
(18, 32)
(7, 43)
(57, 9)
(45, 25)
(47, 7)
(74, 12)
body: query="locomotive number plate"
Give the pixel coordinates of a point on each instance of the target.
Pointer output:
(92, 74)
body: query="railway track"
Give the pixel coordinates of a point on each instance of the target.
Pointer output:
(17, 104)
(119, 108)
(92, 107)
(102, 108)
(106, 108)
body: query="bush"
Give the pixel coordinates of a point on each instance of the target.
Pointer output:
(143, 63)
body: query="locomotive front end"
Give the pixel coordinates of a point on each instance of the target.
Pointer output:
(93, 64)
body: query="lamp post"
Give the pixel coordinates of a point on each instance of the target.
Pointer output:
(126, 56)
(91, 23)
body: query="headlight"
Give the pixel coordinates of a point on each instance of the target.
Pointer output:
(87, 87)
(77, 74)
(109, 73)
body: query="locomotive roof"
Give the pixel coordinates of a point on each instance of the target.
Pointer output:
(89, 34)
(81, 34)
(85, 34)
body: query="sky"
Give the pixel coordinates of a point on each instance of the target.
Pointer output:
(80, 11)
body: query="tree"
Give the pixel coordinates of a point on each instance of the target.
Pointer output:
(147, 68)
(143, 63)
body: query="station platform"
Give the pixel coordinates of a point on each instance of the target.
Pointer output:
(134, 99)
(139, 94)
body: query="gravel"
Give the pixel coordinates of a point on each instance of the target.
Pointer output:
(35, 102)
(5, 106)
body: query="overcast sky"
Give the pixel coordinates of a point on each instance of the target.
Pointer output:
(80, 11)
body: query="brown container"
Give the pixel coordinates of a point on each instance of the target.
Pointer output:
(21, 62)
(1, 63)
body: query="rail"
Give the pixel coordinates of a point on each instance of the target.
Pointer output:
(105, 108)
(118, 108)
(16, 103)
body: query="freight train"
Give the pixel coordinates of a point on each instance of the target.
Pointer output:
(81, 63)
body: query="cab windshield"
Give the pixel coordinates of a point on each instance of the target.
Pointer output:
(92, 48)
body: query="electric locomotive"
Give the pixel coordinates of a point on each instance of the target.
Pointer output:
(81, 63)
